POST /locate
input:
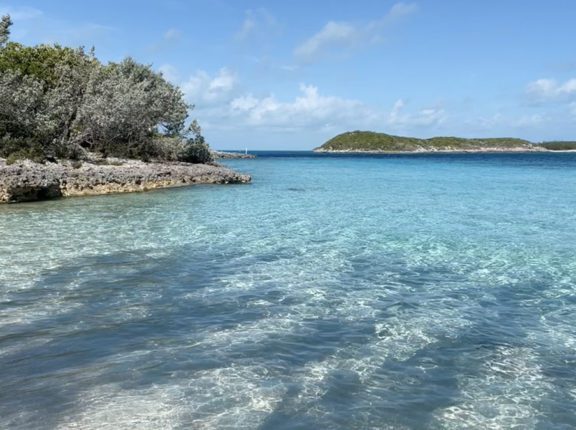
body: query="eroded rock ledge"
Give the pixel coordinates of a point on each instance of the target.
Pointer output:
(28, 181)
(222, 154)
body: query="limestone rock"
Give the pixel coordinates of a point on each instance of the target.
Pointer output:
(28, 181)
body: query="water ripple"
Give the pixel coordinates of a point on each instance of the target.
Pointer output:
(373, 292)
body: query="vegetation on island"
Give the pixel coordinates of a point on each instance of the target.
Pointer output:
(560, 145)
(60, 102)
(372, 141)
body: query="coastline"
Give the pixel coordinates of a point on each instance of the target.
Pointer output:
(29, 181)
(438, 151)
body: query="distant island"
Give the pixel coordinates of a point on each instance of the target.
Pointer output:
(369, 141)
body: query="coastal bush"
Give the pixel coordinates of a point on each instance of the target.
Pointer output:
(196, 152)
(60, 102)
(195, 149)
(168, 148)
(24, 150)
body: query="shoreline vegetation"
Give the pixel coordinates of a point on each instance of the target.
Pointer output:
(381, 143)
(73, 125)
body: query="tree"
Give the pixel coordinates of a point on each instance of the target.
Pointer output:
(20, 101)
(5, 24)
(196, 150)
(126, 106)
(55, 79)
(59, 102)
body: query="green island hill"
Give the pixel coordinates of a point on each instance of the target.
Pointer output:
(369, 141)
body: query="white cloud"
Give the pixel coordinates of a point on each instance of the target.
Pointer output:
(206, 89)
(333, 34)
(550, 89)
(345, 36)
(226, 112)
(169, 39)
(257, 22)
(170, 73)
(308, 110)
(220, 104)
(503, 123)
(248, 26)
(527, 121)
(172, 34)
(399, 118)
(401, 9)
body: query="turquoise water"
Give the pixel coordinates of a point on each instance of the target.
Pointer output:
(335, 292)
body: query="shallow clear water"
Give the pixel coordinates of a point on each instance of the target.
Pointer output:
(422, 291)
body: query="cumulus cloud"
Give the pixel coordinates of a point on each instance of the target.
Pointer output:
(221, 104)
(204, 88)
(550, 89)
(308, 109)
(346, 36)
(400, 118)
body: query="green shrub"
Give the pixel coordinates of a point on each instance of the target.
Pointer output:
(15, 149)
(168, 148)
(196, 151)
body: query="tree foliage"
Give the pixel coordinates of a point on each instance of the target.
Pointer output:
(61, 102)
(195, 149)
(5, 23)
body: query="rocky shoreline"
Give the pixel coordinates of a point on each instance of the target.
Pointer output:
(231, 155)
(28, 181)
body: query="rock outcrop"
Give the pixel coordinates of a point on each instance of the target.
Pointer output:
(28, 181)
(222, 154)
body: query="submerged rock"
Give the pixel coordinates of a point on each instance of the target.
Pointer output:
(28, 181)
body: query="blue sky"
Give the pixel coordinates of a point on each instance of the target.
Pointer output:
(291, 74)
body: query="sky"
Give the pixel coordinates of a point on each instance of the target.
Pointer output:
(282, 74)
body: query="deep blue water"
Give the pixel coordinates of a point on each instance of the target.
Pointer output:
(334, 292)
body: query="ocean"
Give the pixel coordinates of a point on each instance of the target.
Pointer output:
(334, 292)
